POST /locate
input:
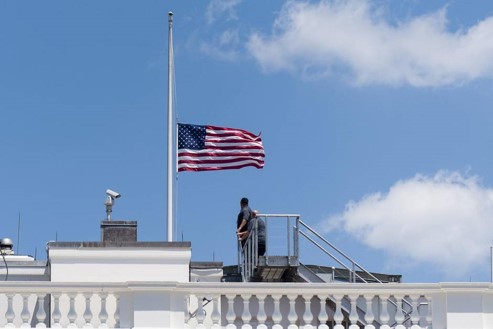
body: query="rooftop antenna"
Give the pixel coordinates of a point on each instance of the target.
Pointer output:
(110, 201)
(19, 233)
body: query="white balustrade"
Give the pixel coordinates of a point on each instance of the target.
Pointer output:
(215, 315)
(369, 317)
(56, 315)
(261, 315)
(428, 315)
(103, 314)
(309, 306)
(276, 315)
(25, 314)
(399, 314)
(200, 313)
(231, 315)
(54, 305)
(10, 315)
(415, 315)
(72, 315)
(338, 316)
(244, 305)
(307, 315)
(41, 313)
(384, 312)
(246, 315)
(292, 316)
(323, 316)
(87, 313)
(353, 315)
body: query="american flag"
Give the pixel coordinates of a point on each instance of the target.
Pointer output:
(203, 148)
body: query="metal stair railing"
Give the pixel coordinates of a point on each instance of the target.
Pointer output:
(248, 259)
(303, 267)
(354, 265)
(248, 254)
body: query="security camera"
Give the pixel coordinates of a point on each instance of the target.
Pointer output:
(113, 194)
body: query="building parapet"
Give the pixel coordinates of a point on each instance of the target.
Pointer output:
(233, 305)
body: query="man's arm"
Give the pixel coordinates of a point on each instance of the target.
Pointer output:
(243, 235)
(246, 217)
(243, 223)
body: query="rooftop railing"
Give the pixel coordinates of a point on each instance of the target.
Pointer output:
(282, 234)
(245, 305)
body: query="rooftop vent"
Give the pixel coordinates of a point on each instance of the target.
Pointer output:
(6, 246)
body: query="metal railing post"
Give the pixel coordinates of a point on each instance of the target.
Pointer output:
(296, 238)
(289, 237)
(239, 254)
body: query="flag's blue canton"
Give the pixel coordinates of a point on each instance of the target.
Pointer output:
(191, 137)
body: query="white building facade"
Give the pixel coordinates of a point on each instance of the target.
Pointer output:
(122, 283)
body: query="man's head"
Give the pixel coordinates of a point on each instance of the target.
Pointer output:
(244, 202)
(254, 213)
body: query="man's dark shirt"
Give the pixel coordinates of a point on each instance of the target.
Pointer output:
(260, 229)
(260, 234)
(245, 213)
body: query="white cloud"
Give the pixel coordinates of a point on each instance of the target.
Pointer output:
(224, 47)
(444, 220)
(321, 38)
(221, 7)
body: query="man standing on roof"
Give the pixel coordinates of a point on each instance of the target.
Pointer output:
(243, 217)
(260, 232)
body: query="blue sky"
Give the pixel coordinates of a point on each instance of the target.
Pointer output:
(375, 117)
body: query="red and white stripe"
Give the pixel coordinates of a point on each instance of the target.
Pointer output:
(225, 148)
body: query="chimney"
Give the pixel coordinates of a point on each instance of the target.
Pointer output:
(118, 231)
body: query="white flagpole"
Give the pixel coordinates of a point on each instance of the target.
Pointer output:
(170, 127)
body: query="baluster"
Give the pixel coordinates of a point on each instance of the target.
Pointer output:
(25, 314)
(292, 316)
(215, 315)
(429, 313)
(399, 314)
(369, 317)
(231, 316)
(384, 313)
(338, 316)
(200, 313)
(323, 316)
(72, 315)
(353, 315)
(246, 316)
(41, 313)
(9, 314)
(276, 315)
(116, 316)
(87, 312)
(307, 316)
(415, 316)
(103, 313)
(56, 315)
(261, 316)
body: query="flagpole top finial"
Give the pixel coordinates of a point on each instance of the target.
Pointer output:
(170, 13)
